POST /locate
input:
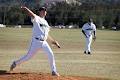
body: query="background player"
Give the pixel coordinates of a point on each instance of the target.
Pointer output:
(88, 29)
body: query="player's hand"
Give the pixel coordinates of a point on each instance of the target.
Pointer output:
(23, 7)
(56, 43)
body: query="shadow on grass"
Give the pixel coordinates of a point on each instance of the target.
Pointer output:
(5, 72)
(2, 72)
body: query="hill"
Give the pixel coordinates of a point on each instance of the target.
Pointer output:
(40, 76)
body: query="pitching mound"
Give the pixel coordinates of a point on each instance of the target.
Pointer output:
(39, 76)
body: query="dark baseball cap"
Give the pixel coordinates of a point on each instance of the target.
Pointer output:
(42, 8)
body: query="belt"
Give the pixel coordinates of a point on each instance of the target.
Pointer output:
(39, 39)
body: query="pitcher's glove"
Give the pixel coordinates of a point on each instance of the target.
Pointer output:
(56, 43)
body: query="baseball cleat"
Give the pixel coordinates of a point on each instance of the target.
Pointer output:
(89, 52)
(12, 66)
(85, 52)
(55, 73)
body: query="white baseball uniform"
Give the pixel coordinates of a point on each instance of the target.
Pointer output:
(39, 37)
(88, 29)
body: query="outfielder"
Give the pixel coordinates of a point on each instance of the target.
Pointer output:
(39, 37)
(88, 29)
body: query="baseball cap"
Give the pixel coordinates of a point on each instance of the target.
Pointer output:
(42, 8)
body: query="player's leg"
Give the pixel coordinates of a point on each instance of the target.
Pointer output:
(51, 58)
(26, 57)
(86, 45)
(32, 50)
(89, 44)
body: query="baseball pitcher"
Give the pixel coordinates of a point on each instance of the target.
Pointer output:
(39, 37)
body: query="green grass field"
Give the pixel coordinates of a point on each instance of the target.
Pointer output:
(70, 60)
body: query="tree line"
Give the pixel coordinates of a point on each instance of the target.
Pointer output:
(104, 12)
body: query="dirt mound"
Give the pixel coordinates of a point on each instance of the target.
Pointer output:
(39, 76)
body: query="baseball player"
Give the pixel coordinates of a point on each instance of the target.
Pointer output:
(39, 37)
(88, 30)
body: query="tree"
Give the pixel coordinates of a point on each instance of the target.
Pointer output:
(104, 12)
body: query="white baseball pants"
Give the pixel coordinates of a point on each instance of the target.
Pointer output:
(88, 43)
(34, 47)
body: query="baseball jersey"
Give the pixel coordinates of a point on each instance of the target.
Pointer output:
(88, 29)
(40, 27)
